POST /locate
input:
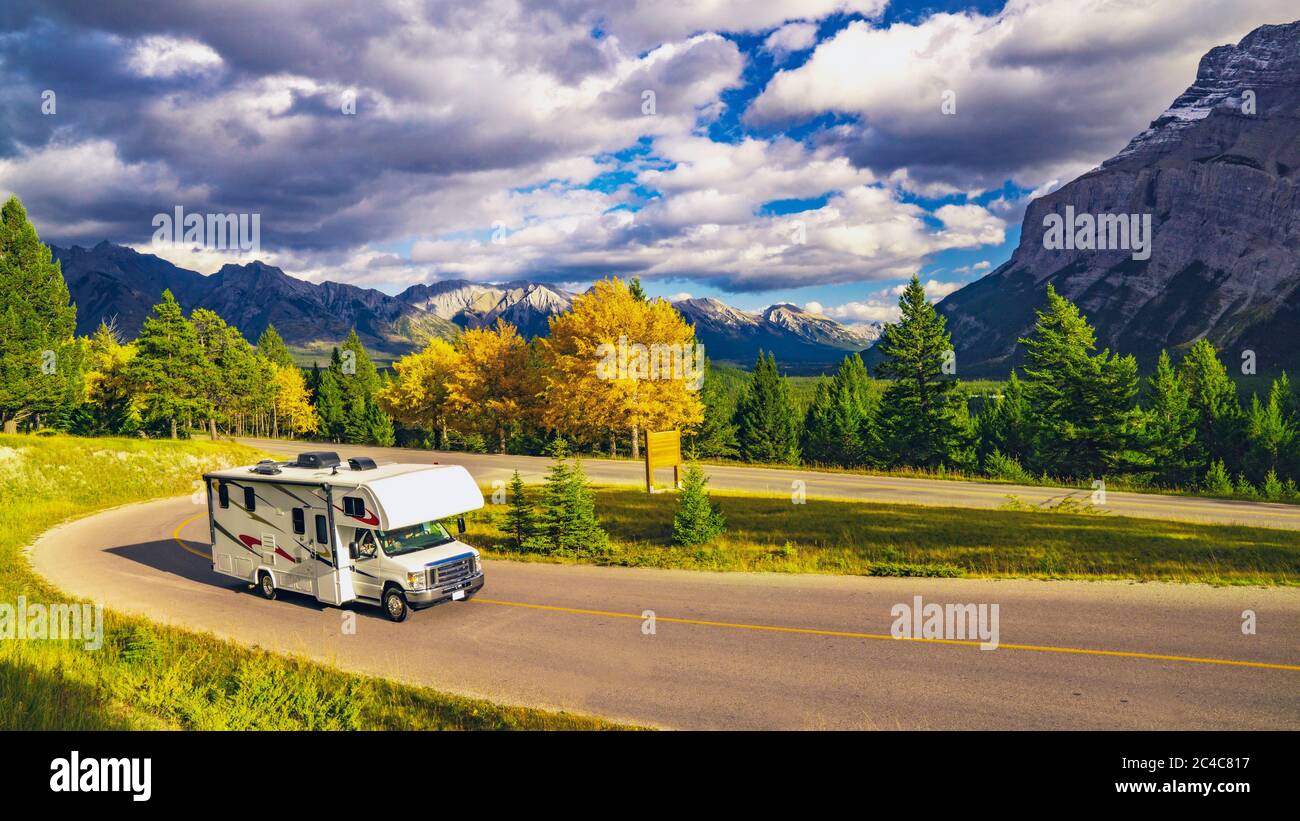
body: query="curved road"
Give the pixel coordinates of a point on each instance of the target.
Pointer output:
(892, 489)
(740, 650)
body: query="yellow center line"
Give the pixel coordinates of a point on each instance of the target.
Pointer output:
(808, 631)
(176, 536)
(852, 635)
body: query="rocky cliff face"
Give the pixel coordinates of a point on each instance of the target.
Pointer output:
(526, 305)
(1217, 173)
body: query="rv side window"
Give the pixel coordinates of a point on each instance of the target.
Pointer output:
(322, 530)
(299, 521)
(223, 494)
(250, 500)
(354, 506)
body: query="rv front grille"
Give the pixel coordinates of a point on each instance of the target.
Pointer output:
(452, 572)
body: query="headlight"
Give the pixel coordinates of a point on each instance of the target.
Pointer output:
(415, 581)
(478, 565)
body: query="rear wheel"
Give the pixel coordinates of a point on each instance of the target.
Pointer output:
(395, 605)
(266, 585)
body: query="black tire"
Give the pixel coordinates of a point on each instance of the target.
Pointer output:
(266, 585)
(395, 605)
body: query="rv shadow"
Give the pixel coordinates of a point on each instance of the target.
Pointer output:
(167, 556)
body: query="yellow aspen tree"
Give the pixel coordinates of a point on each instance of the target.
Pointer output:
(616, 363)
(493, 387)
(418, 396)
(292, 400)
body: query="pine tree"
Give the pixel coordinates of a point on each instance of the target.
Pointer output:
(767, 428)
(329, 406)
(520, 519)
(1004, 425)
(716, 435)
(1217, 480)
(567, 523)
(698, 520)
(169, 372)
(271, 345)
(379, 427)
(1220, 423)
(919, 420)
(40, 369)
(1083, 404)
(839, 425)
(1270, 432)
(1169, 433)
(638, 293)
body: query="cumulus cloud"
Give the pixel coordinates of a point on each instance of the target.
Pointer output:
(513, 138)
(1042, 88)
(882, 305)
(790, 38)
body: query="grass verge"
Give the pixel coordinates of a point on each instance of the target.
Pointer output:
(768, 533)
(148, 676)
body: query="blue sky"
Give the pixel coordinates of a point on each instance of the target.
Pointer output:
(818, 152)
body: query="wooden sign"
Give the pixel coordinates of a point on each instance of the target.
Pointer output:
(663, 449)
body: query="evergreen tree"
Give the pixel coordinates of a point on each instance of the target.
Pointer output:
(379, 427)
(1004, 425)
(1083, 404)
(698, 520)
(328, 401)
(567, 523)
(271, 345)
(638, 293)
(40, 370)
(520, 519)
(1271, 434)
(1169, 434)
(920, 421)
(169, 373)
(839, 425)
(1217, 480)
(1220, 423)
(766, 425)
(716, 435)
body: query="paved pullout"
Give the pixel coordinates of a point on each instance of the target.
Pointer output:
(573, 638)
(490, 467)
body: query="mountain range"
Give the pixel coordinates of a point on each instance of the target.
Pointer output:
(114, 282)
(1219, 175)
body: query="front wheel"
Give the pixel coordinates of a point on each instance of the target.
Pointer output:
(266, 585)
(395, 605)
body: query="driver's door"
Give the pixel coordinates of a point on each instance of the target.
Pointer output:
(367, 579)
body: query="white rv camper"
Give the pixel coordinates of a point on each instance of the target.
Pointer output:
(341, 532)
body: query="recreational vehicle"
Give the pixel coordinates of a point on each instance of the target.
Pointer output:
(344, 532)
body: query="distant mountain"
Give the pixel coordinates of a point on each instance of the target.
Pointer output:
(114, 282)
(111, 281)
(526, 305)
(1222, 187)
(801, 340)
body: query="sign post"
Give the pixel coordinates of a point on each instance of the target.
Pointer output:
(662, 449)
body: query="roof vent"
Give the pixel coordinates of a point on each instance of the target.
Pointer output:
(317, 459)
(267, 467)
(361, 463)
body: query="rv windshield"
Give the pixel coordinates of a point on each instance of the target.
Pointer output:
(416, 537)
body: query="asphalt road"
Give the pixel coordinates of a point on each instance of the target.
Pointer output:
(489, 467)
(741, 650)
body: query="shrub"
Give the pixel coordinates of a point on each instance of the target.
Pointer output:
(698, 520)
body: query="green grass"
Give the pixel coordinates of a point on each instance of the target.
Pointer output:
(148, 676)
(769, 533)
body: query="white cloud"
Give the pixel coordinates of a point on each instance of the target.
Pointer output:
(1043, 88)
(790, 38)
(163, 56)
(882, 305)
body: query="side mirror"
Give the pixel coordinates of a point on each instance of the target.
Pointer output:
(460, 525)
(352, 551)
